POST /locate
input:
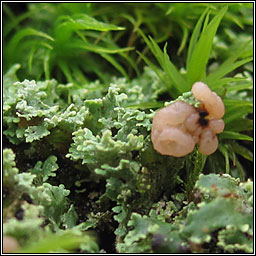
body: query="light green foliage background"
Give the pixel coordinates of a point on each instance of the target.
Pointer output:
(82, 82)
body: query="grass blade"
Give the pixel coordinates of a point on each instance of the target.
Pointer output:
(225, 68)
(24, 33)
(196, 66)
(178, 81)
(131, 62)
(47, 65)
(30, 59)
(242, 151)
(223, 149)
(65, 69)
(111, 60)
(195, 35)
(236, 112)
(159, 72)
(175, 83)
(95, 48)
(183, 40)
(78, 74)
(82, 21)
(242, 86)
(14, 24)
(237, 125)
(234, 136)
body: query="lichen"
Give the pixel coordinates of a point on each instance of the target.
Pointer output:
(89, 164)
(219, 215)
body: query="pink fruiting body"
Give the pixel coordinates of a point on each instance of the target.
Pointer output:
(217, 125)
(212, 102)
(177, 128)
(208, 142)
(10, 244)
(173, 141)
(174, 114)
(192, 124)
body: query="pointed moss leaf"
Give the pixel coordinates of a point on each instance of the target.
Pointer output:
(91, 23)
(228, 66)
(174, 81)
(12, 46)
(112, 60)
(236, 112)
(234, 135)
(179, 82)
(155, 49)
(184, 40)
(95, 48)
(196, 67)
(82, 21)
(224, 151)
(240, 86)
(236, 109)
(14, 21)
(156, 69)
(238, 126)
(195, 35)
(243, 151)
